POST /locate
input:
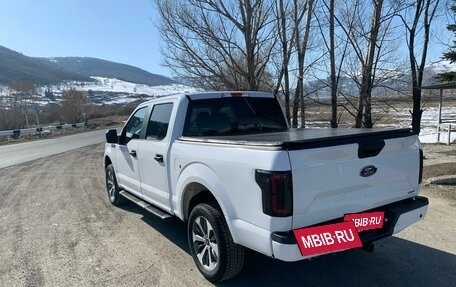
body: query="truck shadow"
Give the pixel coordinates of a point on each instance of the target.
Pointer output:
(173, 229)
(395, 262)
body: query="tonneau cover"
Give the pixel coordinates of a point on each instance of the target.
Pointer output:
(304, 138)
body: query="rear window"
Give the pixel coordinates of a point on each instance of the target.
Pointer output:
(233, 116)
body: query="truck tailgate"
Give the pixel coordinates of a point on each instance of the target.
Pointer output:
(355, 175)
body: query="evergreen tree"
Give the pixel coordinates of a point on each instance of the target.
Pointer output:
(451, 54)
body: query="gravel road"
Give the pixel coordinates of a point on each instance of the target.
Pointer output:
(22, 152)
(57, 228)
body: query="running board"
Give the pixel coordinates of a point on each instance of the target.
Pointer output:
(152, 209)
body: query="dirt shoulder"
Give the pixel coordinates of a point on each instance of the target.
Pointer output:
(439, 161)
(436, 154)
(439, 172)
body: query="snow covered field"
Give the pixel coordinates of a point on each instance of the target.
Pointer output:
(115, 91)
(118, 86)
(401, 118)
(108, 91)
(429, 124)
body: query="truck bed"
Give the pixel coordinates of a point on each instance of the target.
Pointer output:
(304, 138)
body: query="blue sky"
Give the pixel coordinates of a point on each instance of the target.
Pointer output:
(114, 30)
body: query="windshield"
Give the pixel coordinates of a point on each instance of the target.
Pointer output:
(233, 116)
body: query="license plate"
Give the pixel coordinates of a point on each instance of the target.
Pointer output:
(366, 221)
(327, 238)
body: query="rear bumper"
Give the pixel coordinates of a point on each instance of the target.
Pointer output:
(398, 216)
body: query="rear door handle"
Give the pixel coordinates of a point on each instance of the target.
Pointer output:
(133, 153)
(158, 157)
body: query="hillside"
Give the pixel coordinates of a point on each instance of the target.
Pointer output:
(93, 67)
(17, 67)
(53, 71)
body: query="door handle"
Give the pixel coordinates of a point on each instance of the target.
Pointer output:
(133, 153)
(158, 157)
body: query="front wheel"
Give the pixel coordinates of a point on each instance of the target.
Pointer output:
(112, 188)
(215, 254)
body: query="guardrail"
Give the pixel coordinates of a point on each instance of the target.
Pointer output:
(38, 130)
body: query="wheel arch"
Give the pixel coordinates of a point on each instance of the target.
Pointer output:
(107, 161)
(197, 184)
(194, 194)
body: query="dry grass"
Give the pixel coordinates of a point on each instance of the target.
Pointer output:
(386, 111)
(108, 121)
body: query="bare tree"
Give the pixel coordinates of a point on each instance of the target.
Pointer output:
(72, 106)
(21, 97)
(367, 46)
(285, 33)
(294, 45)
(327, 14)
(365, 92)
(332, 63)
(301, 9)
(218, 44)
(417, 21)
(334, 45)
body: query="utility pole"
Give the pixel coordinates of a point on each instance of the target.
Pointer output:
(26, 118)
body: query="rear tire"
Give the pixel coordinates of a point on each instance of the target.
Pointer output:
(215, 254)
(112, 188)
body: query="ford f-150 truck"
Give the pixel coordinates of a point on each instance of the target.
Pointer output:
(229, 165)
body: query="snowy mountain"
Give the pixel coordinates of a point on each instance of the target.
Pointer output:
(399, 80)
(17, 67)
(440, 67)
(103, 82)
(51, 71)
(93, 67)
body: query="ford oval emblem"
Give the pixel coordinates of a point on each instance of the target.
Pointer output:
(368, 171)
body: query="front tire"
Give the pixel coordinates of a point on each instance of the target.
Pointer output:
(215, 254)
(112, 188)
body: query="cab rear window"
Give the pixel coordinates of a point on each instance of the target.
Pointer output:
(233, 116)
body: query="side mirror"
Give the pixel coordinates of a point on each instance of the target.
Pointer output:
(112, 137)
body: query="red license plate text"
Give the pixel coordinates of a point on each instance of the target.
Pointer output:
(366, 221)
(327, 238)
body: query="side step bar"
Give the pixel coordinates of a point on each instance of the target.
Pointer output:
(152, 209)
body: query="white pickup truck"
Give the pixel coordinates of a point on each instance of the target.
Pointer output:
(229, 165)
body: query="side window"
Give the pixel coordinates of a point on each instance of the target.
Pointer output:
(134, 125)
(159, 121)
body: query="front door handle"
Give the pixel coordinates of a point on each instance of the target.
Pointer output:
(158, 157)
(133, 153)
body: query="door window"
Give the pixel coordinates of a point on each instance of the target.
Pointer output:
(134, 125)
(159, 121)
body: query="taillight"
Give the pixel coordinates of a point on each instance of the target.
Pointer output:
(277, 192)
(420, 177)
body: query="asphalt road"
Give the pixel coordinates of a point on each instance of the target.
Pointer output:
(57, 228)
(23, 152)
